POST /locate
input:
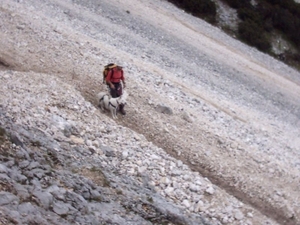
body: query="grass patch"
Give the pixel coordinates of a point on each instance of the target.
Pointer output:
(96, 175)
(2, 135)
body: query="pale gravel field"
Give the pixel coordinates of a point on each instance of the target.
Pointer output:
(243, 106)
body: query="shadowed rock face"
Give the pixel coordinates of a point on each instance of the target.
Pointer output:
(210, 135)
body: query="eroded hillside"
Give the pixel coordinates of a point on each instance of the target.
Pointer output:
(228, 148)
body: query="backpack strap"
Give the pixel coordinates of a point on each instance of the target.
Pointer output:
(112, 73)
(115, 106)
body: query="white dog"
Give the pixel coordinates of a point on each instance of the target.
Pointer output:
(103, 100)
(114, 103)
(111, 104)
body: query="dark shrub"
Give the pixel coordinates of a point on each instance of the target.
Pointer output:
(257, 20)
(205, 9)
(266, 12)
(289, 24)
(236, 4)
(289, 5)
(283, 20)
(250, 13)
(253, 35)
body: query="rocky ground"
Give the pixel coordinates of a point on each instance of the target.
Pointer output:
(211, 134)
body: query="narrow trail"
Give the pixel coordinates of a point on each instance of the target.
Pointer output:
(169, 143)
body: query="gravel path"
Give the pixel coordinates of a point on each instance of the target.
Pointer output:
(212, 126)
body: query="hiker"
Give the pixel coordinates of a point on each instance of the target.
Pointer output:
(113, 79)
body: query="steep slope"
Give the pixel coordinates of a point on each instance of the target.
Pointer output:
(234, 112)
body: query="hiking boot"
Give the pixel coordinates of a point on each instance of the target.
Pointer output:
(121, 109)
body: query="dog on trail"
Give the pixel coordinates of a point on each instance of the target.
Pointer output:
(114, 103)
(111, 104)
(103, 100)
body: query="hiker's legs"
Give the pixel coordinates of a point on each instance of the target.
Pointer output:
(113, 92)
(121, 109)
(117, 91)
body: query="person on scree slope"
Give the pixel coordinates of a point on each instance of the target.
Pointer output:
(113, 80)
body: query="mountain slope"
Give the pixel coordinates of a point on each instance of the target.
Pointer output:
(234, 111)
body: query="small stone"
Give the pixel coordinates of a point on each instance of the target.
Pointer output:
(199, 206)
(210, 190)
(7, 198)
(125, 154)
(194, 188)
(186, 203)
(238, 215)
(250, 215)
(60, 208)
(76, 140)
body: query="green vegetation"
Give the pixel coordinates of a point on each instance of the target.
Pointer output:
(2, 135)
(36, 143)
(259, 20)
(150, 199)
(205, 9)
